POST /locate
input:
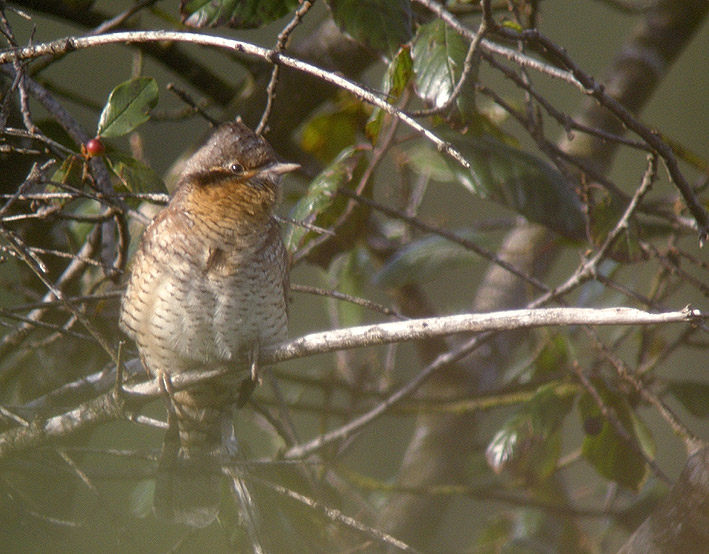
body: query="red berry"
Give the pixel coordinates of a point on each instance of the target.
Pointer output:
(94, 147)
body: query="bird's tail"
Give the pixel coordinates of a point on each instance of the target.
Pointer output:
(188, 482)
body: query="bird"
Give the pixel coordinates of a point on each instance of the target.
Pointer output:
(208, 289)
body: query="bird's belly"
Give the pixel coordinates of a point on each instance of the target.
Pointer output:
(202, 322)
(249, 312)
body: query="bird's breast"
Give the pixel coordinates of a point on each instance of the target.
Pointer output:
(205, 292)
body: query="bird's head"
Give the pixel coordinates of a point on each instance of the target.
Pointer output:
(237, 167)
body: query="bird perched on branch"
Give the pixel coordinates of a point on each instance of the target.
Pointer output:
(207, 290)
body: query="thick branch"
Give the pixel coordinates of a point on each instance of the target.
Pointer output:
(417, 329)
(112, 406)
(681, 522)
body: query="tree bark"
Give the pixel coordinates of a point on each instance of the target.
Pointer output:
(681, 522)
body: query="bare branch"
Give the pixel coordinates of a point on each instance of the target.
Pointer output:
(109, 407)
(417, 329)
(69, 44)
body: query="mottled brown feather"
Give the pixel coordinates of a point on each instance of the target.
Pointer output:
(208, 288)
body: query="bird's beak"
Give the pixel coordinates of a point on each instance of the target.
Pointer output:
(278, 168)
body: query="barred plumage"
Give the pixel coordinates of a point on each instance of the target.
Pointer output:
(207, 289)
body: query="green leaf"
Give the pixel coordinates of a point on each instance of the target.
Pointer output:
(141, 498)
(329, 133)
(507, 175)
(611, 456)
(529, 442)
(693, 395)
(349, 274)
(529, 531)
(643, 435)
(605, 210)
(135, 175)
(56, 132)
(321, 204)
(554, 355)
(397, 76)
(79, 230)
(494, 535)
(70, 172)
(509, 24)
(240, 14)
(383, 25)
(128, 106)
(438, 59)
(631, 516)
(538, 531)
(424, 260)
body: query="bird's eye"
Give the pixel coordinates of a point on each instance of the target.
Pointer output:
(236, 168)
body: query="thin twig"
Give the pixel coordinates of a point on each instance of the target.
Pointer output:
(121, 17)
(75, 267)
(590, 87)
(364, 302)
(39, 271)
(691, 442)
(336, 515)
(281, 44)
(588, 269)
(187, 99)
(472, 59)
(610, 415)
(586, 83)
(468, 244)
(304, 225)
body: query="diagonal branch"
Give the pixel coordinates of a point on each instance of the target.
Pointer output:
(70, 44)
(585, 82)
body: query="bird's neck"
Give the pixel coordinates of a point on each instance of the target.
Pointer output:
(233, 204)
